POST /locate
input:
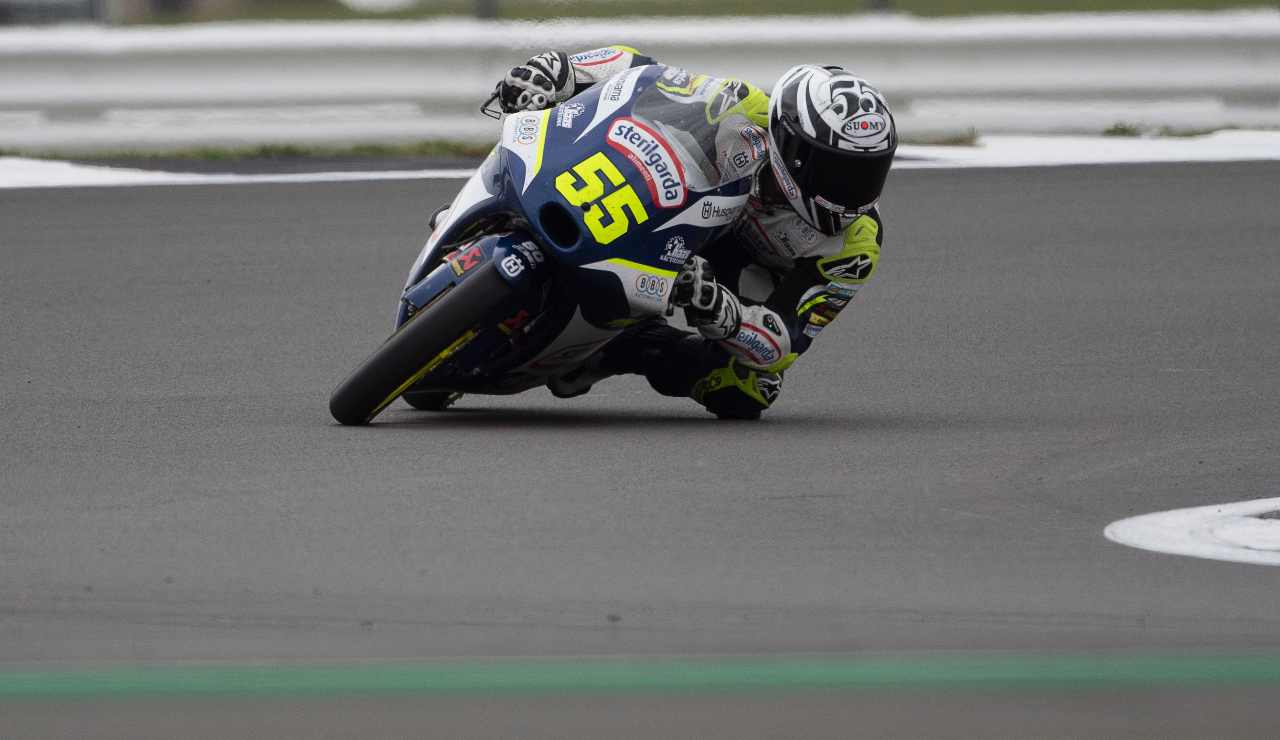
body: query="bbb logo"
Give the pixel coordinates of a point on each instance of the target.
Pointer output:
(651, 286)
(526, 130)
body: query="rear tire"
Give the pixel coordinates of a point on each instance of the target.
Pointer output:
(390, 370)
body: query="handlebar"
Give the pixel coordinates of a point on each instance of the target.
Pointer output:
(494, 113)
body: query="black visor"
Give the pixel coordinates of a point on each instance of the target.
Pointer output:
(837, 184)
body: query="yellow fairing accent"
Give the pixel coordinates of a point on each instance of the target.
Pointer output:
(658, 271)
(859, 241)
(542, 141)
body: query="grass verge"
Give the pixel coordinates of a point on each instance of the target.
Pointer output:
(1122, 129)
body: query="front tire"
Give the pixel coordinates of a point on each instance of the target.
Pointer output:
(424, 341)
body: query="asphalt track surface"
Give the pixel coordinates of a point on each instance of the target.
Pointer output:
(1042, 352)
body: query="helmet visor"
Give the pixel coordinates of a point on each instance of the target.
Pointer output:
(842, 183)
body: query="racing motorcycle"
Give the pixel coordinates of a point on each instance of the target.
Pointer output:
(572, 229)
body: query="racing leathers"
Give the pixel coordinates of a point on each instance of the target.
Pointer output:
(787, 280)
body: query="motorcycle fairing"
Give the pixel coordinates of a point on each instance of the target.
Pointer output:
(607, 185)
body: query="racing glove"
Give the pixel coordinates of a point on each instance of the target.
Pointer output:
(537, 84)
(708, 306)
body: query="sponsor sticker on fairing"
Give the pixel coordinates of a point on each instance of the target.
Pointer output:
(567, 112)
(525, 129)
(511, 265)
(652, 286)
(708, 212)
(532, 255)
(615, 89)
(714, 212)
(653, 157)
(675, 251)
(464, 260)
(614, 94)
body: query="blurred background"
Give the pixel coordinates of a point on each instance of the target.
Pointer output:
(187, 11)
(286, 77)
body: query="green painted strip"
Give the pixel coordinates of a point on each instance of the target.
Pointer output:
(643, 675)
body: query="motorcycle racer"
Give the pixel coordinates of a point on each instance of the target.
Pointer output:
(818, 150)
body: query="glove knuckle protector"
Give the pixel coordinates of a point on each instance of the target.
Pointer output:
(537, 84)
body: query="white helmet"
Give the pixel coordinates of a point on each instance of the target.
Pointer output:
(831, 142)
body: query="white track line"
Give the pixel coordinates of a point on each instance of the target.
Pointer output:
(1231, 532)
(17, 172)
(990, 151)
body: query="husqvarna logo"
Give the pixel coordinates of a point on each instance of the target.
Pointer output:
(653, 157)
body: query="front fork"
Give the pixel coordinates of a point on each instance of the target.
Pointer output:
(519, 261)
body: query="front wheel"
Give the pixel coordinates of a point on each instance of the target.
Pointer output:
(418, 347)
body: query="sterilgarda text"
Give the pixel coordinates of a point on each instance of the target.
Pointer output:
(653, 158)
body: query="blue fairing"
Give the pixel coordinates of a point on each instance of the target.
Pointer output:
(632, 126)
(593, 206)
